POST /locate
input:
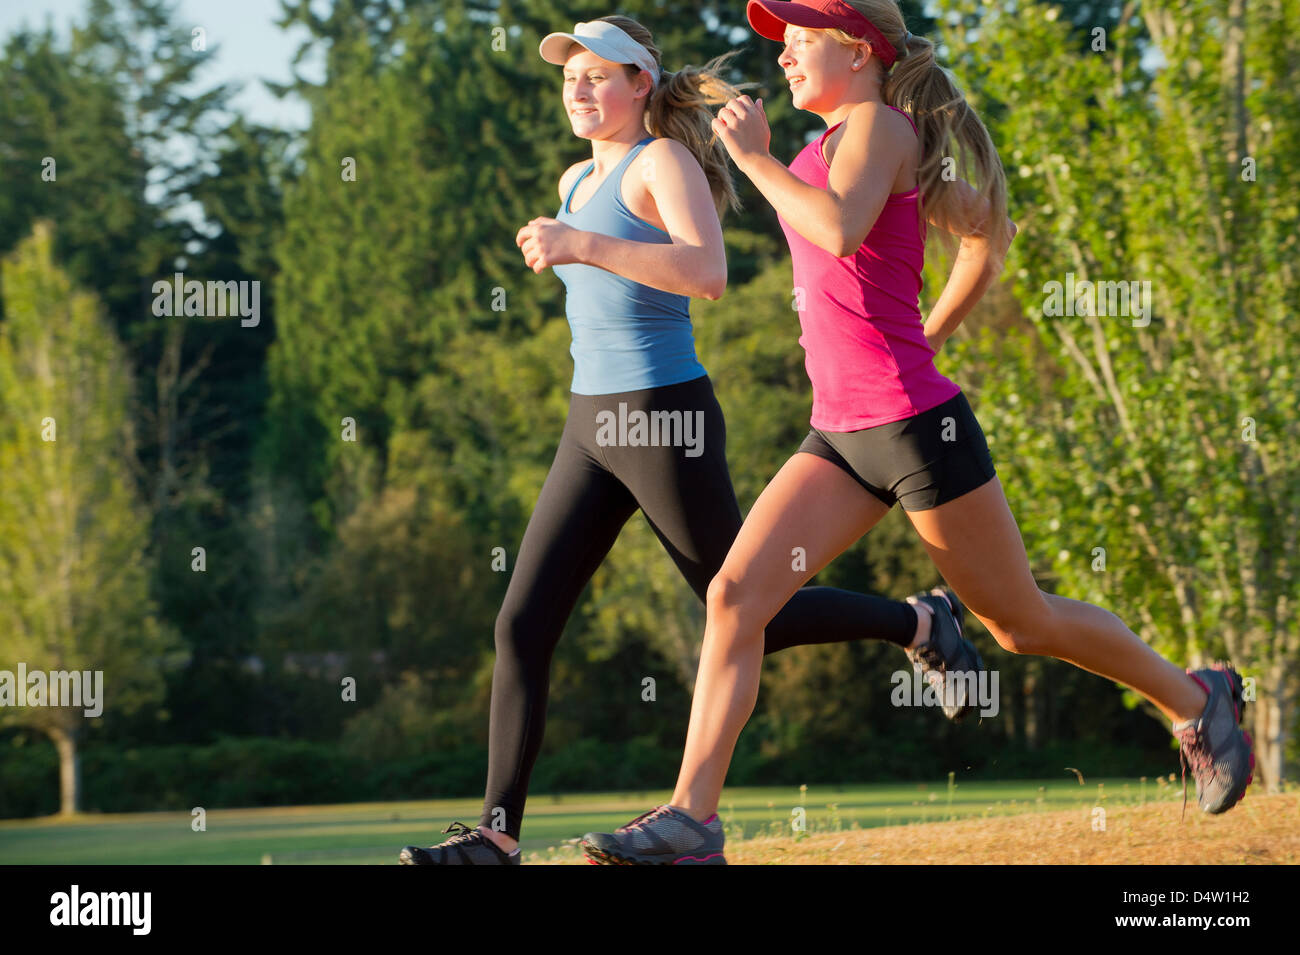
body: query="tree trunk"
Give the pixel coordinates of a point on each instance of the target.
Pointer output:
(1032, 722)
(1234, 82)
(1270, 732)
(69, 770)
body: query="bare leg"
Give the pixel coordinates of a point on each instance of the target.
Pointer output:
(811, 504)
(975, 543)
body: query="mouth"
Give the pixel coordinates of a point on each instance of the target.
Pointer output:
(582, 111)
(795, 81)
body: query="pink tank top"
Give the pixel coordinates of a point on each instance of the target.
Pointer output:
(863, 337)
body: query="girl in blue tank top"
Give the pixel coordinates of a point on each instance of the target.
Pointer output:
(636, 237)
(626, 335)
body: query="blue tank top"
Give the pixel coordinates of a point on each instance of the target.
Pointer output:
(626, 336)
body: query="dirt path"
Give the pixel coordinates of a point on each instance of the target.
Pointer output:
(1262, 829)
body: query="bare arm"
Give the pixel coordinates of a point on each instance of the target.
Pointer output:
(862, 172)
(694, 263)
(974, 271)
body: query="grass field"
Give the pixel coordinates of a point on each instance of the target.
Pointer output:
(975, 813)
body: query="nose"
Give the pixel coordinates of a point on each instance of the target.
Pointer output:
(785, 60)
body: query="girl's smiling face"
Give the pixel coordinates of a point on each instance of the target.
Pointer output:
(599, 96)
(817, 68)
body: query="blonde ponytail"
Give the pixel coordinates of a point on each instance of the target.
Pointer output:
(679, 109)
(947, 125)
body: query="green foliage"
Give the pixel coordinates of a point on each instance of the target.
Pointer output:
(1171, 443)
(238, 772)
(400, 300)
(74, 564)
(119, 107)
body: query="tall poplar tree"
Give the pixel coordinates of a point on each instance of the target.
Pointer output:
(74, 532)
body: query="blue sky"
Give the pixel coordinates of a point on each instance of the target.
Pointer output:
(244, 44)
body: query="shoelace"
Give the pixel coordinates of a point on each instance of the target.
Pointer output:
(643, 820)
(1194, 749)
(460, 832)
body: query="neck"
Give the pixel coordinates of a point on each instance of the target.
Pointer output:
(862, 89)
(609, 151)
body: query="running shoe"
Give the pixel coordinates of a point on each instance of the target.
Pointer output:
(467, 847)
(1219, 752)
(947, 654)
(662, 836)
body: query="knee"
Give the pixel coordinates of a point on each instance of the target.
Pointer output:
(1014, 639)
(725, 598)
(514, 632)
(721, 594)
(1030, 632)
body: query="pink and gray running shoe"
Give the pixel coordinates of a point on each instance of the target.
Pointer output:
(1219, 752)
(662, 836)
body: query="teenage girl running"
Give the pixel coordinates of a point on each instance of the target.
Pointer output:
(637, 235)
(886, 426)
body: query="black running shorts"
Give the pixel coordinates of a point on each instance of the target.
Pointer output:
(920, 462)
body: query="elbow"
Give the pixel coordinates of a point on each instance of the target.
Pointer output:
(996, 262)
(714, 286)
(838, 249)
(842, 246)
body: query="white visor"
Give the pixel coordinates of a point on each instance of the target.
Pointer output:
(606, 40)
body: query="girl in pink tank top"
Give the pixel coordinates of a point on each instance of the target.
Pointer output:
(867, 356)
(887, 426)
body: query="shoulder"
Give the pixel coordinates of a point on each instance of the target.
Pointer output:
(670, 154)
(668, 169)
(865, 119)
(875, 133)
(571, 174)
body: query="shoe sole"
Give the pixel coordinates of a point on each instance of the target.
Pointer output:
(599, 856)
(406, 857)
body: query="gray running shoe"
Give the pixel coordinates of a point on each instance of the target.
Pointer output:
(662, 836)
(948, 653)
(467, 847)
(1219, 752)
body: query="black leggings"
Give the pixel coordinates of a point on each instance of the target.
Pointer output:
(616, 455)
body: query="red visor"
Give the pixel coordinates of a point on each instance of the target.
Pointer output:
(769, 18)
